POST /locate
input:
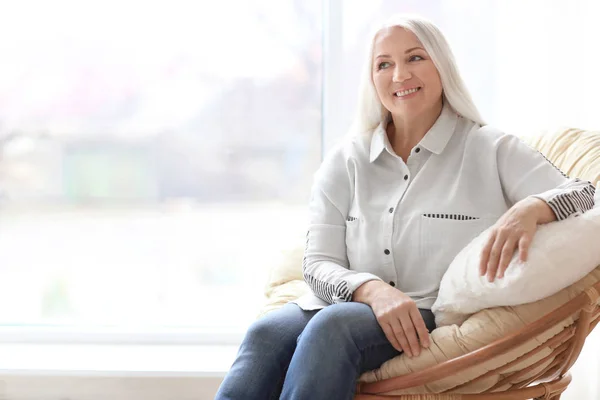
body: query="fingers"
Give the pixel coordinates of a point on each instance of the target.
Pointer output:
(501, 253)
(389, 334)
(495, 253)
(401, 323)
(420, 327)
(524, 244)
(401, 337)
(507, 253)
(485, 254)
(410, 334)
(514, 230)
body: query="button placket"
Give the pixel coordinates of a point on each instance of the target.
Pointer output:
(388, 222)
(417, 160)
(407, 170)
(388, 228)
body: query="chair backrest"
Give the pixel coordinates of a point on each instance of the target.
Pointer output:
(576, 152)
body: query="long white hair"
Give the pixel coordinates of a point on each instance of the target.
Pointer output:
(370, 111)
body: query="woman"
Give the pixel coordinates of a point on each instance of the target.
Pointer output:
(390, 209)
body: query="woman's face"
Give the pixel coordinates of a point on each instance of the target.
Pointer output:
(406, 80)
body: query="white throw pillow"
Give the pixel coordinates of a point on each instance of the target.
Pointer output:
(561, 253)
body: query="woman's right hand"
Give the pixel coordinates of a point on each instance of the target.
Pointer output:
(397, 314)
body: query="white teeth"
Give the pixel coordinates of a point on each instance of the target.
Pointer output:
(405, 92)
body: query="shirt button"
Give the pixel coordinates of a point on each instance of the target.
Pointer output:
(417, 150)
(405, 177)
(392, 283)
(386, 251)
(391, 210)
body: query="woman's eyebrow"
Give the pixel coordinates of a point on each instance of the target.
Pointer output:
(406, 52)
(414, 48)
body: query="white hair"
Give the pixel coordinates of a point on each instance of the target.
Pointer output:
(371, 112)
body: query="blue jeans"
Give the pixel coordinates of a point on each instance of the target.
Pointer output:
(309, 355)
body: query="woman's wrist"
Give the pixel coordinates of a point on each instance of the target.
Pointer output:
(365, 292)
(542, 210)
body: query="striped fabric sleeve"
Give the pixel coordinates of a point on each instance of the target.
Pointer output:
(328, 291)
(526, 172)
(331, 293)
(572, 198)
(325, 267)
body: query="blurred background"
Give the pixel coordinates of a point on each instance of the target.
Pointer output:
(153, 157)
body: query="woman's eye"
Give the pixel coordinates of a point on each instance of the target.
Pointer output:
(382, 65)
(415, 58)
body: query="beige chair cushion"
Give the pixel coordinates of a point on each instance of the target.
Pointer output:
(285, 281)
(479, 330)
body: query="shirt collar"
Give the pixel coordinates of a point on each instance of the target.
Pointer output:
(379, 140)
(435, 140)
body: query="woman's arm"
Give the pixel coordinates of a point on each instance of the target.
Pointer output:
(538, 193)
(325, 266)
(525, 172)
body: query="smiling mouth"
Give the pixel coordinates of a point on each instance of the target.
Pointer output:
(403, 93)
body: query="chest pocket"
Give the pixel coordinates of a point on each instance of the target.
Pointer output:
(353, 239)
(443, 236)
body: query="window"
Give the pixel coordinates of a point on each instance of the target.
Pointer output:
(155, 159)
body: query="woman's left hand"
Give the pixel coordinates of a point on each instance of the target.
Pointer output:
(514, 230)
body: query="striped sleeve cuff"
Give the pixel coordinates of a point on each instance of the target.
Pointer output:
(573, 198)
(341, 291)
(331, 293)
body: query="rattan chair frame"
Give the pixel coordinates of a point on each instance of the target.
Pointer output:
(548, 383)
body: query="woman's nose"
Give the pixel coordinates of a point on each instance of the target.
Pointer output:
(401, 73)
